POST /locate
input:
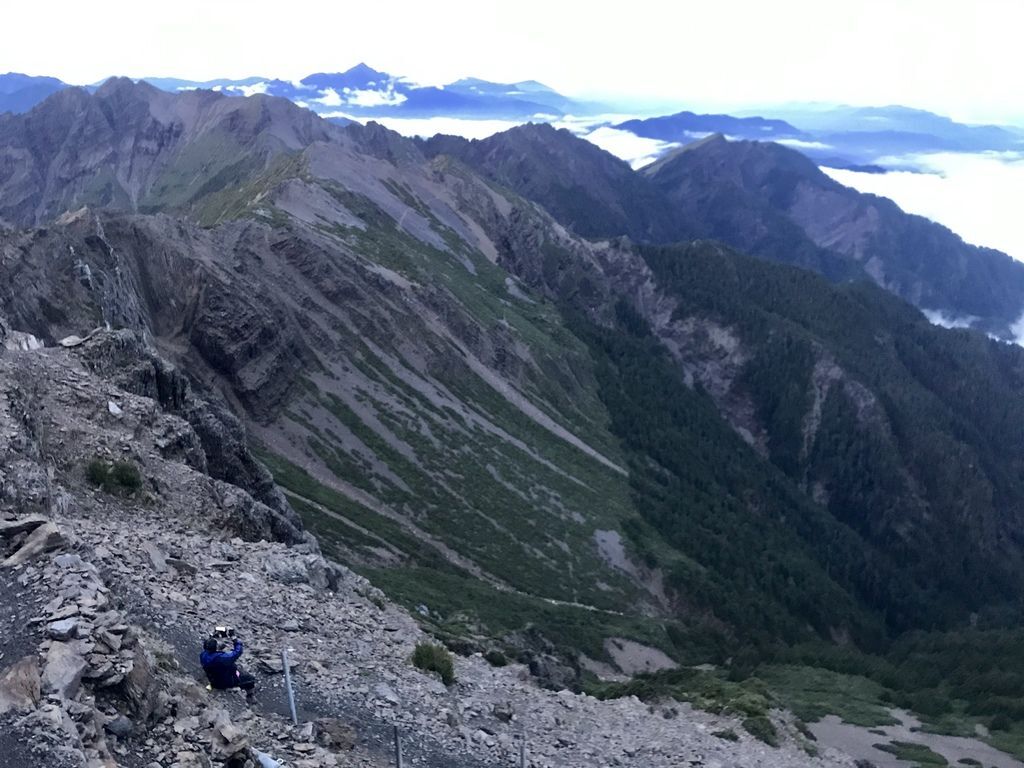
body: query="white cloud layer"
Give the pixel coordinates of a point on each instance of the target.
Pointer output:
(635, 150)
(329, 98)
(374, 98)
(978, 196)
(250, 90)
(803, 144)
(938, 317)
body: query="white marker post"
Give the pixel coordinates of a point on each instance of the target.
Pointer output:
(288, 685)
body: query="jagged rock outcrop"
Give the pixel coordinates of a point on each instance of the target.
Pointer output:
(244, 497)
(259, 509)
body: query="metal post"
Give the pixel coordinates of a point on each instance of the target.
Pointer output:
(522, 751)
(398, 748)
(288, 685)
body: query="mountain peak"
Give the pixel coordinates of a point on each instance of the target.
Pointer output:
(362, 69)
(533, 85)
(117, 121)
(125, 85)
(359, 77)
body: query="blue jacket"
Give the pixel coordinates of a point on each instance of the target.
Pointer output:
(220, 666)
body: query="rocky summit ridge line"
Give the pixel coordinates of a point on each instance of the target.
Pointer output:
(761, 198)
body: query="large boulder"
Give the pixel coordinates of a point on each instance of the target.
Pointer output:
(11, 528)
(44, 538)
(140, 687)
(64, 668)
(297, 569)
(250, 519)
(228, 742)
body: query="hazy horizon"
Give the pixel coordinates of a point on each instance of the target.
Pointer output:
(960, 62)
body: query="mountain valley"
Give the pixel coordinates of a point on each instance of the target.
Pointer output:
(593, 421)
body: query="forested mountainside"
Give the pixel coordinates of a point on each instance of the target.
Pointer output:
(543, 441)
(762, 198)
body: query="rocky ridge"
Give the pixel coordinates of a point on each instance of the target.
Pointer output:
(122, 586)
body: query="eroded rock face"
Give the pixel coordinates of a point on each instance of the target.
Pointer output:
(160, 277)
(39, 390)
(215, 444)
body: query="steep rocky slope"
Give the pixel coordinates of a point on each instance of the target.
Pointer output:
(402, 339)
(110, 589)
(419, 407)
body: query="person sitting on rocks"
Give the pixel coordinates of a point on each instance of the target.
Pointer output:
(221, 668)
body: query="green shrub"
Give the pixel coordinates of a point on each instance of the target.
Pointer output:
(1000, 723)
(762, 728)
(96, 472)
(118, 477)
(804, 730)
(126, 475)
(435, 658)
(496, 658)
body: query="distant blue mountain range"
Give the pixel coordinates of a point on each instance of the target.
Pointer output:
(840, 136)
(366, 92)
(862, 138)
(688, 126)
(19, 93)
(360, 92)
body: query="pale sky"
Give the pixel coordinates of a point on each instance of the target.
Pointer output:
(958, 58)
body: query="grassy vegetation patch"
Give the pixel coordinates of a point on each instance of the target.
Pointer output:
(463, 606)
(435, 658)
(762, 728)
(115, 477)
(496, 658)
(811, 694)
(341, 512)
(708, 690)
(912, 752)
